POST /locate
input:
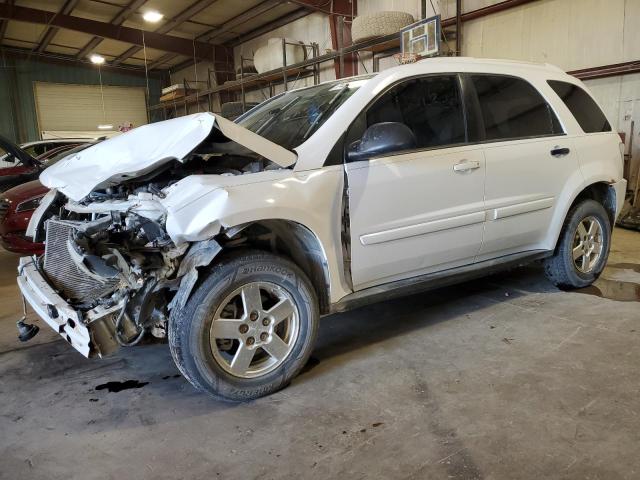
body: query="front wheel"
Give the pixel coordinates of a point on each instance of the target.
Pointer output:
(583, 247)
(247, 329)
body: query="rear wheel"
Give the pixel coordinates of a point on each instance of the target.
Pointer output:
(583, 247)
(248, 328)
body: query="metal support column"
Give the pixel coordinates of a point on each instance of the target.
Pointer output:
(341, 46)
(242, 95)
(458, 28)
(284, 64)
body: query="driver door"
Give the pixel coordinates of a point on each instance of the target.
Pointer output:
(420, 210)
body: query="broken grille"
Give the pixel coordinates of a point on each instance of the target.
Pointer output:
(62, 271)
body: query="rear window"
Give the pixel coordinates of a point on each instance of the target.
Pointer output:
(582, 106)
(513, 108)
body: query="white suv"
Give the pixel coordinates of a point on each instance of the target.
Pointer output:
(234, 238)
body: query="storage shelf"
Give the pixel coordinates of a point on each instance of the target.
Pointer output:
(281, 75)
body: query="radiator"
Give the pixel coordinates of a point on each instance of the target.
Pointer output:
(64, 274)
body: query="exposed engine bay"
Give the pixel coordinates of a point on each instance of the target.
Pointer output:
(109, 254)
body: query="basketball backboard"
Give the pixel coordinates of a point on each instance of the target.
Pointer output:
(422, 38)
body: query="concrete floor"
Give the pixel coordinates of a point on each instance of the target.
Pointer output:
(501, 378)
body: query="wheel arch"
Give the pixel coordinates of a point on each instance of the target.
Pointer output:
(292, 240)
(602, 192)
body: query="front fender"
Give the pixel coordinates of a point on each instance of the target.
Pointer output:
(201, 206)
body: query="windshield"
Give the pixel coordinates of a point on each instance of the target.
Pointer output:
(289, 119)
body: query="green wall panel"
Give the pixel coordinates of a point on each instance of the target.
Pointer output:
(18, 119)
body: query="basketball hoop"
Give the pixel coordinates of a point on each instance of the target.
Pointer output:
(419, 40)
(405, 57)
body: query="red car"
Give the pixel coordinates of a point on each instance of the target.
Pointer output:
(17, 205)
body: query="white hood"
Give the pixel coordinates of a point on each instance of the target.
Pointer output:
(144, 148)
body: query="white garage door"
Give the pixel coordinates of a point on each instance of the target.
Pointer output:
(78, 108)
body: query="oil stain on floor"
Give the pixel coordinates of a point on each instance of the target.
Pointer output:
(115, 387)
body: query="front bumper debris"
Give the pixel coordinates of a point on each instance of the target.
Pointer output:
(90, 333)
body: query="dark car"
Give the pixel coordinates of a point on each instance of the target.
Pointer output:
(24, 167)
(18, 204)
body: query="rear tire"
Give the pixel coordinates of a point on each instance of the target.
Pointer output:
(583, 247)
(248, 328)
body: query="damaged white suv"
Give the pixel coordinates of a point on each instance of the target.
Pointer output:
(234, 238)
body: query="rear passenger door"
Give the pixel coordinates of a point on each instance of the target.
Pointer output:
(528, 161)
(597, 147)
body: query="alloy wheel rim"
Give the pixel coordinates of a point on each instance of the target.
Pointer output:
(254, 329)
(588, 243)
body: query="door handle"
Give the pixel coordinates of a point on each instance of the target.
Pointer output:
(466, 165)
(559, 152)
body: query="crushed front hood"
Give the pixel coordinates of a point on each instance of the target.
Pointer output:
(144, 148)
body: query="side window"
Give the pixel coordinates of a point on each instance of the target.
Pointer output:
(581, 105)
(512, 108)
(431, 107)
(31, 150)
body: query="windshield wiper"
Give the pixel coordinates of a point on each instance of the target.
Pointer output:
(322, 113)
(275, 113)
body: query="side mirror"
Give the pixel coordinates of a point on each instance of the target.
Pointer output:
(381, 138)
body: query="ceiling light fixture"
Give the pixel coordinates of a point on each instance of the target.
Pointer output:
(105, 127)
(152, 16)
(97, 59)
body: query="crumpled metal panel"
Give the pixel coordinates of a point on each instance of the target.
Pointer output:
(142, 149)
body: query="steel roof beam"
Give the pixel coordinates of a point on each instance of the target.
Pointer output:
(4, 23)
(179, 19)
(119, 19)
(225, 27)
(153, 40)
(66, 9)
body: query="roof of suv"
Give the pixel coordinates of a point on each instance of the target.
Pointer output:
(501, 62)
(459, 64)
(471, 64)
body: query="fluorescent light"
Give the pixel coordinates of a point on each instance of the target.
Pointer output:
(152, 16)
(105, 127)
(97, 59)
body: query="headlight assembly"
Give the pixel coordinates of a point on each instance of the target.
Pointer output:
(30, 204)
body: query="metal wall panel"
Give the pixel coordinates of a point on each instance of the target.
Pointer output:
(620, 99)
(572, 34)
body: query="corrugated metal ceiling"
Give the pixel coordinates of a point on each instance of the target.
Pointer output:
(213, 16)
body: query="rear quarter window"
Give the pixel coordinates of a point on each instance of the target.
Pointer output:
(585, 110)
(512, 108)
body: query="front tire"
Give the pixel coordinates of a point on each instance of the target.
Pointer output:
(583, 247)
(248, 328)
